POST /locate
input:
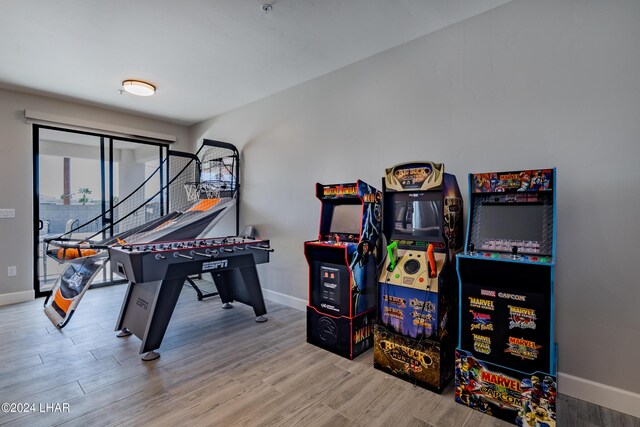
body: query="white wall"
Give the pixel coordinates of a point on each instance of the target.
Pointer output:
(527, 85)
(16, 176)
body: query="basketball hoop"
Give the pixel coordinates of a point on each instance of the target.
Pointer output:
(210, 189)
(203, 190)
(193, 191)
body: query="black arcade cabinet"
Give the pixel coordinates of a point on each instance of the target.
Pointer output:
(414, 336)
(342, 269)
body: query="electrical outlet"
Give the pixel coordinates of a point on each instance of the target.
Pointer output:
(12, 271)
(7, 213)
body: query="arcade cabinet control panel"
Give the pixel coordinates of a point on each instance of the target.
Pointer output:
(515, 255)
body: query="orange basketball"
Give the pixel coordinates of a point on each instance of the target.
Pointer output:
(67, 254)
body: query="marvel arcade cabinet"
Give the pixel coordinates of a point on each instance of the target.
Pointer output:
(342, 269)
(414, 336)
(506, 359)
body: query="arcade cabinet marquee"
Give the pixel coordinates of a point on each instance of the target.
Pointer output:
(506, 359)
(342, 269)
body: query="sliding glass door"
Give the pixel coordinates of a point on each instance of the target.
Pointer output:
(79, 179)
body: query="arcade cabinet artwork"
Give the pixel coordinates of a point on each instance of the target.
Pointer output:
(342, 269)
(506, 359)
(414, 333)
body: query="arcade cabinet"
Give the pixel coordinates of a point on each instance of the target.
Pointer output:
(343, 270)
(414, 336)
(506, 356)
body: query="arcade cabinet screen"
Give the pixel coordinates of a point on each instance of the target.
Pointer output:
(346, 219)
(512, 222)
(417, 216)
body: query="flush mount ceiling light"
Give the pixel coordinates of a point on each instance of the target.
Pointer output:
(138, 87)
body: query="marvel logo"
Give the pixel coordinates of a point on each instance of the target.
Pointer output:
(487, 293)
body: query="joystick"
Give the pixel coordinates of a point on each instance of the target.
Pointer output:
(433, 272)
(514, 252)
(472, 249)
(412, 266)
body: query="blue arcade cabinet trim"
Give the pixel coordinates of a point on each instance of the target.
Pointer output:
(506, 360)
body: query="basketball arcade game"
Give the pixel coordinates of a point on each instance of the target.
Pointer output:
(506, 359)
(414, 333)
(159, 255)
(342, 268)
(157, 268)
(128, 218)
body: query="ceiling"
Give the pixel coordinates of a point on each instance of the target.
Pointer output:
(205, 56)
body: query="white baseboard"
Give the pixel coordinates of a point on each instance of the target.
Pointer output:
(284, 299)
(16, 297)
(600, 394)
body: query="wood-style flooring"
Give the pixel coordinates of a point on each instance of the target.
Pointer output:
(217, 367)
